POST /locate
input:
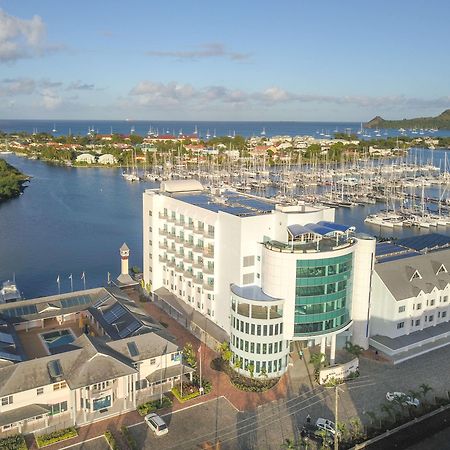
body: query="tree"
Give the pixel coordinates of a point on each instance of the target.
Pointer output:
(263, 372)
(425, 388)
(224, 351)
(388, 409)
(356, 429)
(238, 364)
(189, 355)
(354, 349)
(317, 360)
(251, 369)
(373, 417)
(326, 438)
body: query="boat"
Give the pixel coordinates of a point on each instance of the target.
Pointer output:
(263, 132)
(9, 292)
(54, 128)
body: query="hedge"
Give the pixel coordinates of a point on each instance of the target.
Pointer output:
(184, 398)
(149, 407)
(16, 442)
(60, 435)
(129, 438)
(111, 440)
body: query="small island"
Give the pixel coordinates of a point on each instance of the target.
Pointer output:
(11, 181)
(440, 122)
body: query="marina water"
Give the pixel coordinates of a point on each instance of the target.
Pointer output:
(72, 220)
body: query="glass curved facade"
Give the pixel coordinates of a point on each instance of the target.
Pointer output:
(322, 295)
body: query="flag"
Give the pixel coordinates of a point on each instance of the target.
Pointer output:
(57, 280)
(70, 277)
(83, 276)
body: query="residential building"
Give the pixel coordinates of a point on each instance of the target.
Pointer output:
(87, 158)
(259, 274)
(71, 359)
(410, 297)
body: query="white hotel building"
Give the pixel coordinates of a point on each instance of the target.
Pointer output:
(256, 273)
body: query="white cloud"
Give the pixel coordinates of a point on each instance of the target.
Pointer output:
(21, 38)
(50, 99)
(209, 50)
(80, 86)
(16, 86)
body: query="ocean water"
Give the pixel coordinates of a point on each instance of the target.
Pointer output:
(246, 129)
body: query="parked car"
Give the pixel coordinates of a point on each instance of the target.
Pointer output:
(407, 399)
(157, 424)
(327, 425)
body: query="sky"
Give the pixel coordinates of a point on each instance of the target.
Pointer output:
(297, 60)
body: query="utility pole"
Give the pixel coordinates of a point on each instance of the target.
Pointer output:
(336, 438)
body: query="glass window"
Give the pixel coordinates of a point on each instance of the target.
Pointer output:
(417, 322)
(252, 347)
(264, 330)
(401, 309)
(270, 349)
(444, 314)
(332, 270)
(331, 288)
(258, 330)
(307, 291)
(252, 329)
(270, 330)
(400, 325)
(431, 318)
(264, 349)
(258, 348)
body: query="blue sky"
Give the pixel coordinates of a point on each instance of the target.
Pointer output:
(234, 60)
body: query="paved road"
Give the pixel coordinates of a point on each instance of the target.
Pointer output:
(268, 426)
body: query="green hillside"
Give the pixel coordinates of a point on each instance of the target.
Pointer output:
(11, 181)
(441, 122)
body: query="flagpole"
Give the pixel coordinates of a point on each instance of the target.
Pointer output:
(83, 277)
(59, 285)
(71, 282)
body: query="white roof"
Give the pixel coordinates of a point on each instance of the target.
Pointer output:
(181, 186)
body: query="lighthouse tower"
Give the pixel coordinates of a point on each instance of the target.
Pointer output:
(124, 277)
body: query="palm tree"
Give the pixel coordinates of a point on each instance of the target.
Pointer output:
(373, 417)
(238, 365)
(317, 360)
(326, 439)
(354, 349)
(425, 388)
(388, 409)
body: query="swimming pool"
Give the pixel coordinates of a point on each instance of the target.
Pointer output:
(57, 338)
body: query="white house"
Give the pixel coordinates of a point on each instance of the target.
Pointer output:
(107, 158)
(87, 158)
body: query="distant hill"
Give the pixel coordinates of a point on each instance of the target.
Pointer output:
(442, 122)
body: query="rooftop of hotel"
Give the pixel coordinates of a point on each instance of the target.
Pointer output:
(225, 200)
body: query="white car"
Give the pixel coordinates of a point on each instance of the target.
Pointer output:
(407, 399)
(327, 425)
(157, 424)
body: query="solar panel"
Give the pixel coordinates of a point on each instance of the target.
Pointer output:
(422, 242)
(6, 338)
(10, 356)
(20, 311)
(132, 348)
(395, 257)
(101, 300)
(114, 313)
(131, 328)
(386, 248)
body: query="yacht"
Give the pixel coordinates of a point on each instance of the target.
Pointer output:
(9, 292)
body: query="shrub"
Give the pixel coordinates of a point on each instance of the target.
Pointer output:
(16, 442)
(129, 438)
(149, 407)
(60, 435)
(188, 394)
(111, 440)
(241, 382)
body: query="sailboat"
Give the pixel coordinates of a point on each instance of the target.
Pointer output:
(263, 132)
(195, 130)
(54, 128)
(208, 135)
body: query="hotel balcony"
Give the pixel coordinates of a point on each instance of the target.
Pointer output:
(163, 246)
(188, 274)
(162, 216)
(188, 260)
(163, 232)
(179, 240)
(208, 270)
(188, 244)
(170, 263)
(208, 253)
(179, 269)
(163, 259)
(197, 265)
(171, 219)
(189, 226)
(208, 287)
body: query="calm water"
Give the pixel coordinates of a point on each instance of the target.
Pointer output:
(247, 129)
(72, 220)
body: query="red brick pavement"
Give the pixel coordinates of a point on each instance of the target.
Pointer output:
(221, 386)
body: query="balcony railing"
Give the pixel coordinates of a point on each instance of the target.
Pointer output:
(208, 270)
(188, 274)
(208, 287)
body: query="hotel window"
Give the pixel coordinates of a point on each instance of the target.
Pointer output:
(445, 298)
(258, 330)
(444, 314)
(252, 328)
(209, 312)
(432, 302)
(7, 400)
(39, 391)
(431, 318)
(417, 322)
(401, 309)
(264, 349)
(258, 348)
(152, 361)
(58, 386)
(400, 325)
(264, 330)
(252, 347)
(419, 306)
